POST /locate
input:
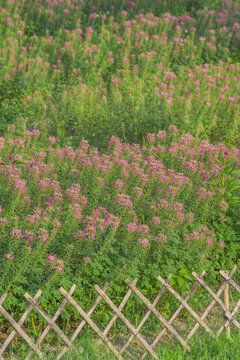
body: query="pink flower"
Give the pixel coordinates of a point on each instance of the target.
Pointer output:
(42, 234)
(16, 233)
(138, 191)
(210, 241)
(223, 205)
(173, 127)
(151, 138)
(123, 199)
(57, 222)
(144, 242)
(86, 260)
(161, 135)
(156, 221)
(52, 140)
(161, 238)
(10, 256)
(125, 60)
(221, 245)
(58, 263)
(202, 257)
(132, 227)
(101, 181)
(93, 16)
(117, 80)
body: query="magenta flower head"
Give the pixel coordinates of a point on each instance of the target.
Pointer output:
(172, 128)
(93, 16)
(226, 154)
(10, 157)
(86, 260)
(52, 140)
(10, 256)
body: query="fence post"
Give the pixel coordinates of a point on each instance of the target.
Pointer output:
(226, 303)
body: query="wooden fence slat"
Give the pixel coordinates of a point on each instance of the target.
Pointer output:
(150, 348)
(125, 320)
(181, 307)
(90, 322)
(83, 322)
(20, 331)
(210, 306)
(226, 322)
(158, 315)
(146, 315)
(20, 323)
(55, 317)
(228, 278)
(185, 304)
(3, 297)
(227, 313)
(48, 319)
(123, 302)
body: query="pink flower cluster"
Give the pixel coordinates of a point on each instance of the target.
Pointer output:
(144, 242)
(86, 260)
(10, 256)
(99, 219)
(204, 194)
(43, 234)
(124, 200)
(58, 264)
(161, 238)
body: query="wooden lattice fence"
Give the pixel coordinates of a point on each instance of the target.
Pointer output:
(200, 320)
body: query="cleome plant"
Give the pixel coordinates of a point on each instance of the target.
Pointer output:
(77, 216)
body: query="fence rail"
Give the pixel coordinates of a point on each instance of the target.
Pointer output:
(228, 316)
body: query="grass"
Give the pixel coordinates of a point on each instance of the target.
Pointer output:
(202, 348)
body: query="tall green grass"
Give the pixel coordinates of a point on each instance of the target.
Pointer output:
(202, 348)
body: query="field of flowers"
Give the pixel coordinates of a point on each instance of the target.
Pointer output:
(119, 146)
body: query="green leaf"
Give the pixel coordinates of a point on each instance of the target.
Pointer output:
(234, 181)
(16, 162)
(172, 282)
(180, 281)
(233, 189)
